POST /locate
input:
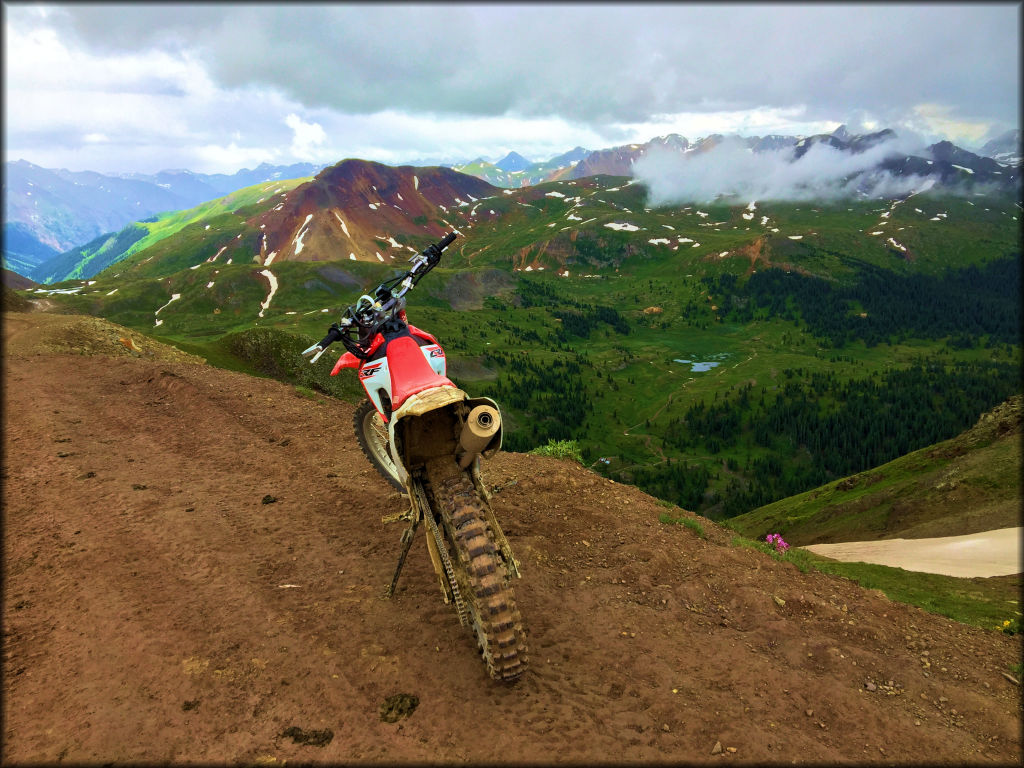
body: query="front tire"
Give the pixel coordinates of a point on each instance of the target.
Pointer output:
(372, 434)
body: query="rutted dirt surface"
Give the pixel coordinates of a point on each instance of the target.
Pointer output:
(193, 568)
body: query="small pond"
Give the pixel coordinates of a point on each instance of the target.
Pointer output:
(700, 366)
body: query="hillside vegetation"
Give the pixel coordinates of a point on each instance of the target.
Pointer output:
(968, 484)
(720, 356)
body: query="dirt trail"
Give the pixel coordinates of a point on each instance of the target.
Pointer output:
(193, 568)
(989, 553)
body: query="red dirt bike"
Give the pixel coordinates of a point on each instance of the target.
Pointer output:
(426, 436)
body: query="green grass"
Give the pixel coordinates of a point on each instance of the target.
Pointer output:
(560, 449)
(690, 522)
(981, 602)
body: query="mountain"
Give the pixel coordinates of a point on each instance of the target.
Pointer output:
(198, 187)
(513, 161)
(356, 210)
(1004, 149)
(47, 212)
(944, 163)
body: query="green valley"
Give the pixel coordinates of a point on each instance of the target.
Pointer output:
(720, 356)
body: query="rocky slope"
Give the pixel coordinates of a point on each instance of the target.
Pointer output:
(360, 209)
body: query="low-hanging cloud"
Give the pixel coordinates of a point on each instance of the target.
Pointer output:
(732, 169)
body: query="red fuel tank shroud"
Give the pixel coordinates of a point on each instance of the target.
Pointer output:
(410, 371)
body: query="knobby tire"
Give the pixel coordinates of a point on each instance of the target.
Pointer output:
(481, 574)
(372, 435)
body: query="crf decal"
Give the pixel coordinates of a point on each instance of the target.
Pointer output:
(368, 372)
(437, 352)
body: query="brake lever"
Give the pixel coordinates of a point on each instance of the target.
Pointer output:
(315, 348)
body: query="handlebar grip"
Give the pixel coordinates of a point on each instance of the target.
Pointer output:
(447, 240)
(332, 336)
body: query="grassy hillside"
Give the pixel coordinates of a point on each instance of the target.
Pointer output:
(193, 224)
(968, 484)
(721, 356)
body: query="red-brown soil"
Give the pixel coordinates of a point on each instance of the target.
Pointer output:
(193, 564)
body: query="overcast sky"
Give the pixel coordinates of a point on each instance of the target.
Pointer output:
(215, 88)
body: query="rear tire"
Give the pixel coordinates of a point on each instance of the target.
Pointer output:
(372, 434)
(482, 578)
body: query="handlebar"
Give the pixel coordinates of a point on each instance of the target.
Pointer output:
(370, 312)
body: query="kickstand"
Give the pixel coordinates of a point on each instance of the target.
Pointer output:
(407, 537)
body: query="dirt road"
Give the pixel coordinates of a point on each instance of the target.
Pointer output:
(193, 563)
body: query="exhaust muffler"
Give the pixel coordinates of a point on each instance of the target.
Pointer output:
(481, 426)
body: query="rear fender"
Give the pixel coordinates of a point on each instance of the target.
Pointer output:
(419, 405)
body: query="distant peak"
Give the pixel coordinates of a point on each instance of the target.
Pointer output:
(513, 161)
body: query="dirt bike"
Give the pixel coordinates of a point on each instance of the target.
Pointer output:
(426, 436)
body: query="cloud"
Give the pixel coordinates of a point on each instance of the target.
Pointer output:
(731, 169)
(170, 84)
(308, 137)
(593, 63)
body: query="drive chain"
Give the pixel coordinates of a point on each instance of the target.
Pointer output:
(449, 570)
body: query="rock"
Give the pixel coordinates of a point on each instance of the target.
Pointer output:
(268, 499)
(398, 707)
(717, 749)
(870, 686)
(778, 600)
(308, 738)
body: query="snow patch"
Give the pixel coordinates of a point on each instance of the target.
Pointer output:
(622, 227)
(273, 289)
(343, 227)
(174, 297)
(300, 236)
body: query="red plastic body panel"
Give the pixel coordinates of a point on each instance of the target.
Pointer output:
(422, 334)
(348, 360)
(410, 371)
